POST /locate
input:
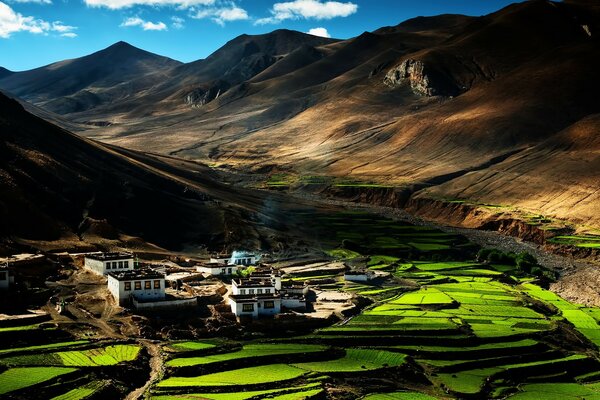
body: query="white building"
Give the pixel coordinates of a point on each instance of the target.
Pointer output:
(218, 269)
(236, 258)
(141, 284)
(103, 263)
(262, 295)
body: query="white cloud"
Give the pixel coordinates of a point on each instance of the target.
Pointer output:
(221, 14)
(116, 4)
(69, 35)
(146, 25)
(177, 22)
(58, 26)
(308, 9)
(319, 32)
(13, 22)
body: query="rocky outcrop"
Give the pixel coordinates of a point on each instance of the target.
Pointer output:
(422, 79)
(201, 96)
(411, 72)
(437, 74)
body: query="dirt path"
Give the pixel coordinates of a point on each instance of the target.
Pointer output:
(156, 369)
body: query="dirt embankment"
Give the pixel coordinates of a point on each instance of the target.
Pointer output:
(464, 215)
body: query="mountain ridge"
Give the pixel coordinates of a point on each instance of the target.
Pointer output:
(432, 99)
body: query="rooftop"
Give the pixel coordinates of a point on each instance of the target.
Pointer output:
(249, 282)
(248, 298)
(110, 256)
(144, 273)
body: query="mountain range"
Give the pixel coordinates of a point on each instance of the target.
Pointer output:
(499, 110)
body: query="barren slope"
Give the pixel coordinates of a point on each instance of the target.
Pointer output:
(442, 103)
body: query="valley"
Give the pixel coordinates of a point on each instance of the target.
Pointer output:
(409, 213)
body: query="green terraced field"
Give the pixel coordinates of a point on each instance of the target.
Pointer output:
(237, 377)
(191, 346)
(110, 355)
(424, 296)
(557, 391)
(20, 378)
(309, 389)
(82, 392)
(43, 347)
(473, 329)
(398, 396)
(357, 360)
(249, 351)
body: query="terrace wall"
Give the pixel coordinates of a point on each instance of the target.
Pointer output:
(165, 304)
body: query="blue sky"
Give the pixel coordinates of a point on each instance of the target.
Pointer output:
(38, 32)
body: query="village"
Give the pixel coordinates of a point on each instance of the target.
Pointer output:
(243, 286)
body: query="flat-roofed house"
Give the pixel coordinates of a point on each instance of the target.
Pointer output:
(242, 258)
(262, 294)
(218, 269)
(103, 263)
(141, 284)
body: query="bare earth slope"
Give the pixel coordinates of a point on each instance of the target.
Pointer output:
(500, 108)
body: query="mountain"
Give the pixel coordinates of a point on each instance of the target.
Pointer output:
(83, 83)
(4, 72)
(489, 109)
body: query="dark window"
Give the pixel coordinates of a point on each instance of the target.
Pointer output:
(114, 264)
(223, 271)
(148, 285)
(156, 284)
(269, 304)
(251, 291)
(127, 285)
(126, 264)
(138, 285)
(120, 264)
(107, 265)
(229, 271)
(248, 307)
(259, 291)
(2, 276)
(267, 290)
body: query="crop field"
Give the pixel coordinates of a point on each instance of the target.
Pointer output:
(296, 392)
(398, 396)
(43, 347)
(19, 378)
(191, 346)
(357, 360)
(83, 392)
(110, 355)
(248, 351)
(237, 377)
(585, 241)
(31, 369)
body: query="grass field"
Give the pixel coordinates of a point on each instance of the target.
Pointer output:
(43, 347)
(357, 360)
(237, 377)
(471, 329)
(19, 378)
(299, 391)
(82, 392)
(109, 355)
(191, 346)
(248, 351)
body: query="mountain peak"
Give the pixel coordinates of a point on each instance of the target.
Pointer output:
(4, 72)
